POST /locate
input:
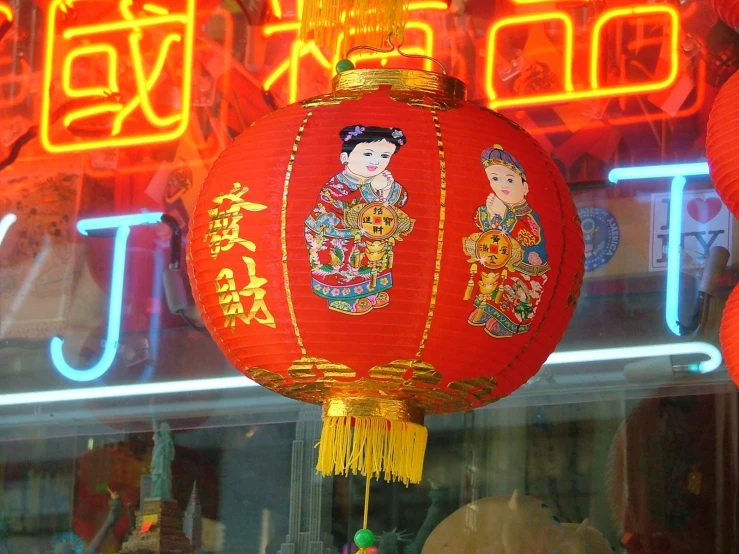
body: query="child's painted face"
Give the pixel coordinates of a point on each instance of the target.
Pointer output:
(507, 184)
(369, 158)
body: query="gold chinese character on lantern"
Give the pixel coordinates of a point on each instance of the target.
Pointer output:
(222, 235)
(223, 228)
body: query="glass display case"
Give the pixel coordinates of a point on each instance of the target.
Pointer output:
(124, 429)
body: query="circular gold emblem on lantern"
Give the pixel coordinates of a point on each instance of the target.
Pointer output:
(378, 221)
(493, 249)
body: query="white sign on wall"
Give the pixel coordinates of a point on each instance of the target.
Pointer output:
(705, 223)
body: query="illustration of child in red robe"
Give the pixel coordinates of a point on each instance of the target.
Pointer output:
(511, 249)
(352, 230)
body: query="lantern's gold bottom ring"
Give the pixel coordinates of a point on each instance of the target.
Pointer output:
(392, 410)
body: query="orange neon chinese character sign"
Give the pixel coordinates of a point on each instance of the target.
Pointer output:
(124, 77)
(7, 15)
(594, 88)
(574, 85)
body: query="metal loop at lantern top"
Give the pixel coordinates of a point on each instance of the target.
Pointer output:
(394, 48)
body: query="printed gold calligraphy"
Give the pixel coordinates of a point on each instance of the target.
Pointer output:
(223, 233)
(223, 229)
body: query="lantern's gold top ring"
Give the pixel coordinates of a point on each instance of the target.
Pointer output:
(416, 82)
(405, 80)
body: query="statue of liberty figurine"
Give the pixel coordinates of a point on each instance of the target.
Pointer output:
(161, 463)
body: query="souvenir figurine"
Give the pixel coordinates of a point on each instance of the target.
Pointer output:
(516, 525)
(595, 540)
(161, 463)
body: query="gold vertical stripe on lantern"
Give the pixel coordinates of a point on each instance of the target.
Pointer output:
(442, 218)
(283, 231)
(342, 24)
(722, 144)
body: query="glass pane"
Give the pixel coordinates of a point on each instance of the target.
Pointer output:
(112, 115)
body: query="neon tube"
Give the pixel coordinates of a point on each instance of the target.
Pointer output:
(658, 171)
(6, 11)
(125, 391)
(678, 172)
(650, 351)
(122, 224)
(224, 383)
(162, 129)
(671, 36)
(672, 298)
(5, 224)
(528, 20)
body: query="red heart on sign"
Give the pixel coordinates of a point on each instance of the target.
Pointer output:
(702, 210)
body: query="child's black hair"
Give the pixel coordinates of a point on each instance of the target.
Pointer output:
(354, 135)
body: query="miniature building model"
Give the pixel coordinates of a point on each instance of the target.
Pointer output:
(310, 494)
(193, 522)
(158, 530)
(160, 525)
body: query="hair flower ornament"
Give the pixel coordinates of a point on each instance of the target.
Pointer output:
(358, 130)
(399, 136)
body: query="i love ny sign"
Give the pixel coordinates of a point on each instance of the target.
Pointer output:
(706, 223)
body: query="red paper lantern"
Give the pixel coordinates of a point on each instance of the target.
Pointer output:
(729, 335)
(728, 11)
(722, 143)
(387, 250)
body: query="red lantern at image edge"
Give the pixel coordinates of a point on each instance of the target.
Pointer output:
(388, 251)
(722, 144)
(728, 11)
(729, 335)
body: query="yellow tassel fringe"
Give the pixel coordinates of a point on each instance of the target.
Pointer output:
(373, 446)
(358, 22)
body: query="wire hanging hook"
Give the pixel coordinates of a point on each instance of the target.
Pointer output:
(394, 48)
